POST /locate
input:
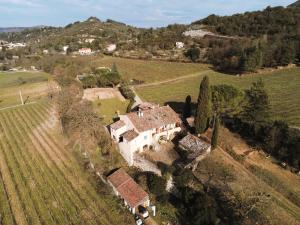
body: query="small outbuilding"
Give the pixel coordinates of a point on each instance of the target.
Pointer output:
(195, 148)
(128, 190)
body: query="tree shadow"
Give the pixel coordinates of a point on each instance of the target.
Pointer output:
(178, 106)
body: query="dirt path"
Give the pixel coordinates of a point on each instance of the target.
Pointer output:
(171, 80)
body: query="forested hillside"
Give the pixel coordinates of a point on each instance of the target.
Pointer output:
(265, 38)
(295, 4)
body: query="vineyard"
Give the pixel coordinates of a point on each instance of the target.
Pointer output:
(40, 180)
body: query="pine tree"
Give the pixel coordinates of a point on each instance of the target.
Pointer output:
(257, 108)
(202, 114)
(215, 134)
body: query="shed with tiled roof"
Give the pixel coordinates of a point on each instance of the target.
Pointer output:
(125, 187)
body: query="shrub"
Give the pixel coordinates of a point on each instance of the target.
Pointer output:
(165, 169)
(156, 184)
(184, 178)
(127, 92)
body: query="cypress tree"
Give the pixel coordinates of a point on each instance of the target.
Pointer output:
(215, 134)
(187, 107)
(202, 113)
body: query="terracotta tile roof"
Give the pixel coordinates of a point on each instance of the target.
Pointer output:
(153, 118)
(128, 189)
(147, 105)
(118, 178)
(117, 125)
(130, 135)
(194, 145)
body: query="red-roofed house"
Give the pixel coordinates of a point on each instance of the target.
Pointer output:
(127, 189)
(139, 130)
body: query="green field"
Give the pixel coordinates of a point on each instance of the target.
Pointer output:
(146, 70)
(41, 182)
(32, 85)
(108, 108)
(283, 87)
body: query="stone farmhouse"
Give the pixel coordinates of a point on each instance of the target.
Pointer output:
(143, 129)
(128, 190)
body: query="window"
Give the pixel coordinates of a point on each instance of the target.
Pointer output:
(145, 137)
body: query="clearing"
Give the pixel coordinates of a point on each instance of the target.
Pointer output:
(93, 94)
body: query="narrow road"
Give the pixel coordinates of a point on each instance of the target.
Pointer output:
(171, 80)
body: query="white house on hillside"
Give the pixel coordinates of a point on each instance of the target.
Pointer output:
(111, 47)
(85, 51)
(137, 131)
(179, 44)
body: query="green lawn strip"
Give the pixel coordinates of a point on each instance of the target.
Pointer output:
(107, 108)
(29, 170)
(47, 184)
(20, 179)
(89, 191)
(5, 210)
(66, 185)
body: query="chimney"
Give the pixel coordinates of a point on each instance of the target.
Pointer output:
(140, 113)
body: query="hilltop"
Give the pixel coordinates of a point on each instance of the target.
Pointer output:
(235, 44)
(295, 4)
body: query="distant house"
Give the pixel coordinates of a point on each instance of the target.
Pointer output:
(138, 131)
(128, 190)
(111, 47)
(89, 40)
(65, 48)
(195, 148)
(179, 45)
(85, 51)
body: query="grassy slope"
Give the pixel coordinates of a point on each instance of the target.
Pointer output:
(282, 86)
(277, 210)
(32, 84)
(256, 173)
(149, 71)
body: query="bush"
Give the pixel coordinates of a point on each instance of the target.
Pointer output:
(127, 92)
(165, 169)
(156, 184)
(184, 178)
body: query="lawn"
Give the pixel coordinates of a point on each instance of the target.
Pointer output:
(149, 71)
(32, 85)
(283, 87)
(108, 108)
